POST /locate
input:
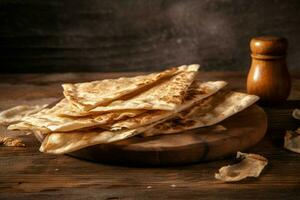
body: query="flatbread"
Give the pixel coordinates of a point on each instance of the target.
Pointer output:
(166, 95)
(60, 143)
(196, 92)
(89, 95)
(16, 114)
(53, 119)
(47, 120)
(65, 109)
(208, 112)
(27, 128)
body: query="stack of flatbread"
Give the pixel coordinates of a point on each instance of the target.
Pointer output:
(115, 109)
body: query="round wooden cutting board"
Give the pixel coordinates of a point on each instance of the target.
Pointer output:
(236, 133)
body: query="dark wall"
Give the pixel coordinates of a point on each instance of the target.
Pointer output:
(136, 35)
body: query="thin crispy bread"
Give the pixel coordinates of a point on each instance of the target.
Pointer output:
(60, 143)
(65, 109)
(54, 120)
(89, 95)
(166, 95)
(27, 128)
(16, 114)
(196, 92)
(47, 120)
(208, 112)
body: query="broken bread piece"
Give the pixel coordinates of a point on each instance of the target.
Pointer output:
(165, 95)
(49, 119)
(195, 93)
(11, 142)
(17, 113)
(207, 112)
(292, 141)
(60, 143)
(249, 165)
(171, 92)
(89, 95)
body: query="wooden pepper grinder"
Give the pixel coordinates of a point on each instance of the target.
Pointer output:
(268, 77)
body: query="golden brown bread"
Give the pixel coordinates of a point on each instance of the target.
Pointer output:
(207, 112)
(89, 95)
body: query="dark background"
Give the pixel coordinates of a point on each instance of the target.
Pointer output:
(140, 35)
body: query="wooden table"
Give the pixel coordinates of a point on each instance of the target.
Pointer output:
(25, 173)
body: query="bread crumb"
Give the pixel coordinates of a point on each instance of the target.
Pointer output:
(11, 142)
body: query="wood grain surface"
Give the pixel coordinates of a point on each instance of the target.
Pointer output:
(25, 173)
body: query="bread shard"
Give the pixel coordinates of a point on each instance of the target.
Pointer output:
(27, 128)
(11, 142)
(48, 120)
(250, 165)
(57, 142)
(16, 114)
(60, 143)
(207, 112)
(170, 92)
(196, 92)
(89, 95)
(164, 95)
(292, 140)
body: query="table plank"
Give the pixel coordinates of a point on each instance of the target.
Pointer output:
(25, 173)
